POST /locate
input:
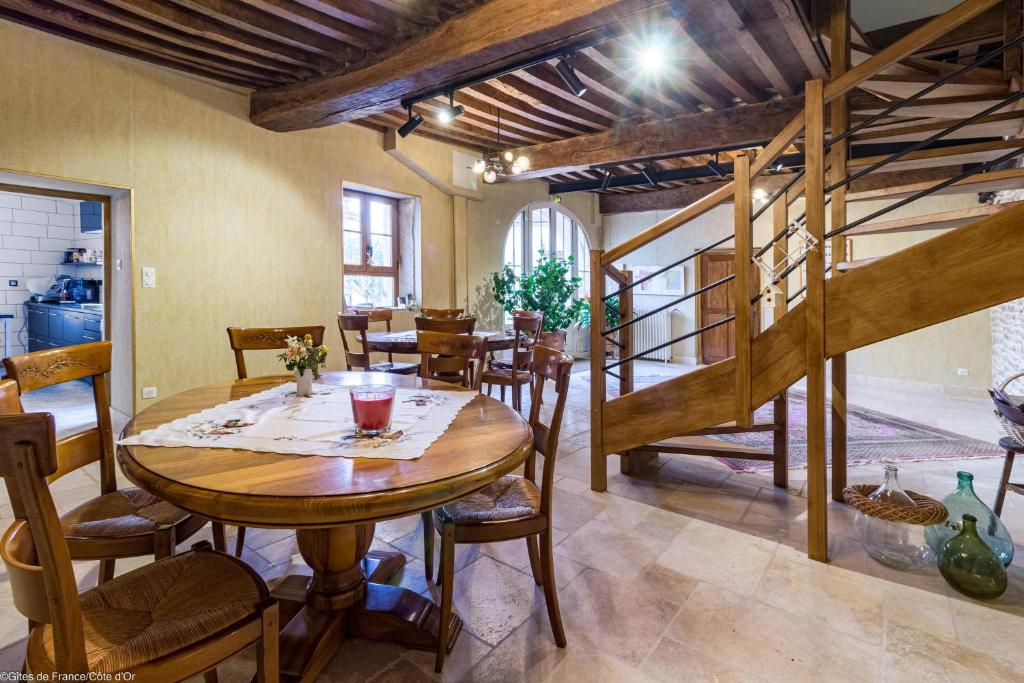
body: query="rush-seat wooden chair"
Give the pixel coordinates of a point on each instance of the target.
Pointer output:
(518, 373)
(119, 523)
(359, 324)
(261, 339)
(511, 508)
(166, 621)
(442, 313)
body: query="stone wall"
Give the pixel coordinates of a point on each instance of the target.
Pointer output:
(1008, 326)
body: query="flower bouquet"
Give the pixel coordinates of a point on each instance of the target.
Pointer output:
(301, 355)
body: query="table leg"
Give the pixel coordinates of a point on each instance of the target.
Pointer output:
(345, 597)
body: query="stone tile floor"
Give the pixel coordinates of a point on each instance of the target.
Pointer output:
(687, 572)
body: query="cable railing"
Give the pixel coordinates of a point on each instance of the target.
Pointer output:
(792, 226)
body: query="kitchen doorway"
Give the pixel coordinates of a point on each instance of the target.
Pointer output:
(72, 241)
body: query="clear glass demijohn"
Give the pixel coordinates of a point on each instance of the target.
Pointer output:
(894, 544)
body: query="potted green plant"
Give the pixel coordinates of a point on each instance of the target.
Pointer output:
(611, 319)
(549, 288)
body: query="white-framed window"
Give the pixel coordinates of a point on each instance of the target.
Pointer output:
(548, 227)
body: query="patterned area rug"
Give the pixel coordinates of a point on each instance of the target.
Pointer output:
(872, 437)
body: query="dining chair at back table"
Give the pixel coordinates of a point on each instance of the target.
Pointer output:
(262, 339)
(514, 507)
(519, 371)
(442, 313)
(119, 523)
(166, 621)
(360, 324)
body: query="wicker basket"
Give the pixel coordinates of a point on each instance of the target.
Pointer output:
(1013, 430)
(926, 511)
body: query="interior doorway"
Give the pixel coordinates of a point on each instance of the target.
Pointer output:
(76, 239)
(717, 304)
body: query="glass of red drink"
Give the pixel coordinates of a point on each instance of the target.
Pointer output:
(372, 405)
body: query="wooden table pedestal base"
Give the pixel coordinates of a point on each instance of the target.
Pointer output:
(346, 598)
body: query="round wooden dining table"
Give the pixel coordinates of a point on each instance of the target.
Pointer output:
(333, 504)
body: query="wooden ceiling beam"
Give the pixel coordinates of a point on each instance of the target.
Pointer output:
(202, 26)
(247, 18)
(487, 38)
(470, 118)
(510, 119)
(595, 78)
(678, 198)
(798, 33)
(545, 77)
(421, 11)
(369, 16)
(172, 34)
(526, 108)
(736, 30)
(540, 99)
(326, 24)
(68, 18)
(677, 136)
(697, 54)
(118, 48)
(624, 80)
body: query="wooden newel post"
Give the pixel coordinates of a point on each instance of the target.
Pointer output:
(814, 310)
(598, 460)
(741, 289)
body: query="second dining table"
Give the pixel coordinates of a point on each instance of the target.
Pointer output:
(333, 504)
(405, 341)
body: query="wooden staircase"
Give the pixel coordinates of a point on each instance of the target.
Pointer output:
(974, 265)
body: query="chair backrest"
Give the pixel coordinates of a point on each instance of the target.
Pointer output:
(1006, 407)
(449, 326)
(380, 315)
(358, 323)
(34, 551)
(450, 357)
(548, 364)
(442, 313)
(526, 328)
(267, 338)
(530, 314)
(40, 369)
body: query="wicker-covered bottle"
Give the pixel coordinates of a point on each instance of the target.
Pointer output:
(894, 544)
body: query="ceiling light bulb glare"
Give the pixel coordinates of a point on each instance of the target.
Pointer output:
(523, 163)
(509, 156)
(490, 176)
(759, 195)
(653, 58)
(479, 166)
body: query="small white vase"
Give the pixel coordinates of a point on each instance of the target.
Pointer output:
(303, 382)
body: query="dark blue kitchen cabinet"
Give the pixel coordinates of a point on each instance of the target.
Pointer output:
(54, 325)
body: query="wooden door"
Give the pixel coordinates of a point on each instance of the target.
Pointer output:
(716, 304)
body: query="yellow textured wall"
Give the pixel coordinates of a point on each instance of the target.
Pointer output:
(242, 224)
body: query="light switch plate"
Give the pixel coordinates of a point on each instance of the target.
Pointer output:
(148, 392)
(149, 277)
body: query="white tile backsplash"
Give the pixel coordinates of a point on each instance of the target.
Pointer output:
(34, 232)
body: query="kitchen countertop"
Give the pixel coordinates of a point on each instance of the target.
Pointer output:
(69, 307)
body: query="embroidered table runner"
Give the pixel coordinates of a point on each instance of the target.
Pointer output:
(279, 421)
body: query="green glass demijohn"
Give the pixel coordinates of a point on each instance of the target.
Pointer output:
(964, 501)
(970, 566)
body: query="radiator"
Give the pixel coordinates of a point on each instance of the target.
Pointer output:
(650, 332)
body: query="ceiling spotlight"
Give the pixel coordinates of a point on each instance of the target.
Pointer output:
(716, 167)
(490, 176)
(412, 124)
(653, 57)
(523, 163)
(606, 179)
(509, 156)
(452, 111)
(568, 74)
(777, 166)
(479, 166)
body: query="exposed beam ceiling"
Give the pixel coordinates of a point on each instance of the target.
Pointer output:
(485, 39)
(677, 198)
(677, 136)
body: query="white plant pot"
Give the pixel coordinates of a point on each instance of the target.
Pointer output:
(304, 382)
